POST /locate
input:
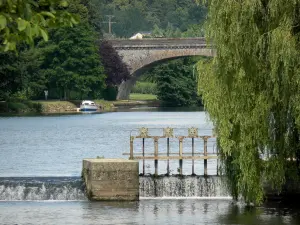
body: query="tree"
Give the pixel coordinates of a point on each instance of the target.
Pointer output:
(194, 31)
(24, 20)
(251, 90)
(72, 62)
(175, 82)
(116, 70)
(28, 65)
(67, 65)
(10, 81)
(141, 15)
(157, 32)
(71, 59)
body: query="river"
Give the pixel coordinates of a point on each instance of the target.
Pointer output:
(40, 167)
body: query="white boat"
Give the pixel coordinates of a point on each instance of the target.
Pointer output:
(88, 106)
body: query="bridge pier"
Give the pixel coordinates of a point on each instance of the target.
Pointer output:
(125, 87)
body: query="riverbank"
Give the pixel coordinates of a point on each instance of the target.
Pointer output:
(57, 106)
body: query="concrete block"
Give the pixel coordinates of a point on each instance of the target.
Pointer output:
(111, 179)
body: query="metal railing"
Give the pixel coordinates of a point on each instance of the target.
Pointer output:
(168, 134)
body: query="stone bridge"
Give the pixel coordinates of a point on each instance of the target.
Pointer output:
(142, 54)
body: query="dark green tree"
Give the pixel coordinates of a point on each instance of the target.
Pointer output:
(72, 62)
(10, 79)
(175, 83)
(33, 80)
(20, 75)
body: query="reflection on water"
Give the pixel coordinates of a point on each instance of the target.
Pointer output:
(145, 212)
(267, 214)
(144, 108)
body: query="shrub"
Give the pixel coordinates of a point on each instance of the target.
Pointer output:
(110, 93)
(17, 107)
(22, 106)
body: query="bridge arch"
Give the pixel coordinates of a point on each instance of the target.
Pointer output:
(141, 55)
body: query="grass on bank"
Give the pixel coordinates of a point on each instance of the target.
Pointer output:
(142, 97)
(144, 87)
(57, 106)
(54, 106)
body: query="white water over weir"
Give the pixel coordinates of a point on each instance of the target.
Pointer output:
(41, 188)
(183, 186)
(72, 188)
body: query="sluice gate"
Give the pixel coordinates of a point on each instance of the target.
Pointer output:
(186, 149)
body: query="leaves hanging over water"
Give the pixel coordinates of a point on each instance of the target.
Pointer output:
(24, 20)
(251, 90)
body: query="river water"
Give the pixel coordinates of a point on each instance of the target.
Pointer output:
(41, 160)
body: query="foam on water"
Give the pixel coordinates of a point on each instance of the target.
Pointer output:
(42, 188)
(184, 187)
(72, 188)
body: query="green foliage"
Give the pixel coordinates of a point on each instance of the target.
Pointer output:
(115, 69)
(72, 62)
(194, 30)
(10, 79)
(142, 97)
(15, 105)
(175, 83)
(168, 18)
(24, 20)
(157, 32)
(252, 91)
(33, 80)
(144, 88)
(19, 74)
(110, 93)
(68, 65)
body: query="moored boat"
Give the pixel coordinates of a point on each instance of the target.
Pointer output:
(88, 106)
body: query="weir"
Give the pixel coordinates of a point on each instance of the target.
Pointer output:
(118, 179)
(165, 187)
(41, 188)
(73, 188)
(183, 187)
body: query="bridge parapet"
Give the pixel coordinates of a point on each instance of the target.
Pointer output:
(159, 43)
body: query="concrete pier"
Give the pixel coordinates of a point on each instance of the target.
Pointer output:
(111, 179)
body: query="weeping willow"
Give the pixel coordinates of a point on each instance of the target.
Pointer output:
(251, 90)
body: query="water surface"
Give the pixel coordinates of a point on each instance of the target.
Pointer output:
(41, 160)
(56, 145)
(144, 212)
